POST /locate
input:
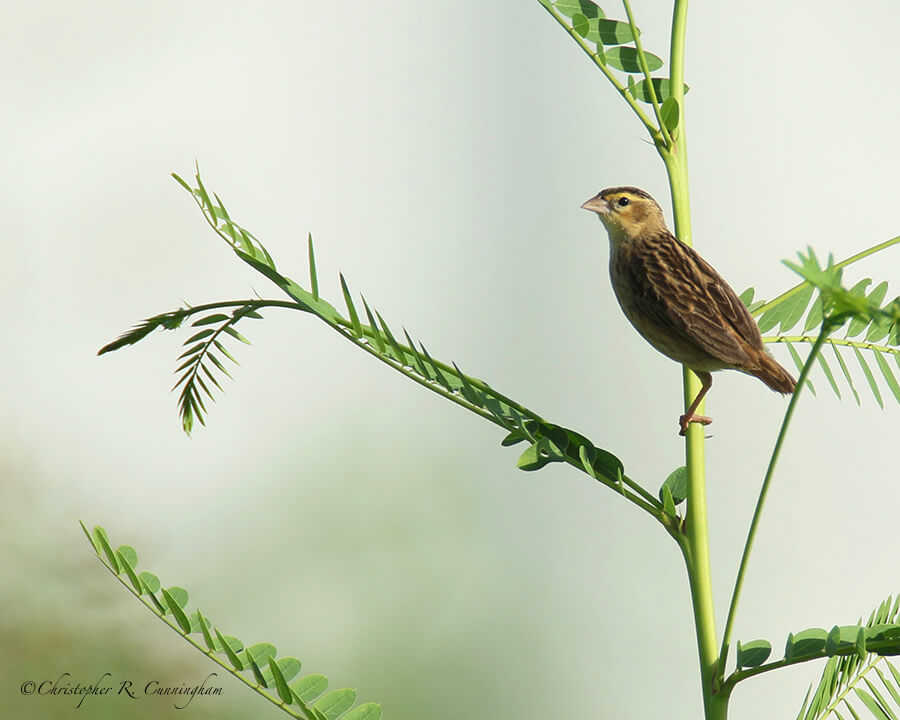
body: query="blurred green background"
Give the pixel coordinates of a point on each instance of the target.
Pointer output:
(438, 153)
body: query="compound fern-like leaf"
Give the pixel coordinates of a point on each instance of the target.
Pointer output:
(257, 666)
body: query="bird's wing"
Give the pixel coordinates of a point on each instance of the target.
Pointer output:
(696, 301)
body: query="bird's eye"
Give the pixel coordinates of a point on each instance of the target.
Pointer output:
(622, 201)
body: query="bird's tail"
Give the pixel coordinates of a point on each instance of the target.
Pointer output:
(775, 376)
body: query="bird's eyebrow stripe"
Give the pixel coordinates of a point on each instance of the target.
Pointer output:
(626, 189)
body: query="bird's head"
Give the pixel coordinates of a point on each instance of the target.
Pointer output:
(627, 213)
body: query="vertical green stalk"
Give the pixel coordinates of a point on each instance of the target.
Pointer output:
(695, 545)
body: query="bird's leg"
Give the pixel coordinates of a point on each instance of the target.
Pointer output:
(689, 417)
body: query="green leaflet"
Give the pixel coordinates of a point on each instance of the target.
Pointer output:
(351, 309)
(846, 372)
(175, 608)
(610, 32)
(668, 502)
(366, 711)
(309, 687)
(795, 356)
(806, 643)
(887, 374)
(870, 378)
(289, 667)
(539, 454)
(786, 313)
(661, 86)
(583, 7)
(626, 58)
(858, 324)
(313, 276)
(828, 374)
(676, 483)
(204, 627)
(128, 565)
(284, 692)
(753, 653)
(671, 116)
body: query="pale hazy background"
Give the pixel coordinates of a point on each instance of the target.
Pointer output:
(438, 152)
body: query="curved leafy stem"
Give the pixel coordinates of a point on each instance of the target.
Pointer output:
(257, 666)
(853, 652)
(547, 442)
(839, 305)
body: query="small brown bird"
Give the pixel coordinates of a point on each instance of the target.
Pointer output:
(676, 301)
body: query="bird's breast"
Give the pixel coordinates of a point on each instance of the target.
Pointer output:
(647, 312)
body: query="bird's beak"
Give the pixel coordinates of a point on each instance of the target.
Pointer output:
(596, 204)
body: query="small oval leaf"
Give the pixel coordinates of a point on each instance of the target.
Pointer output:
(626, 58)
(284, 692)
(570, 8)
(230, 646)
(753, 653)
(676, 483)
(806, 642)
(581, 24)
(130, 554)
(309, 687)
(542, 452)
(209, 320)
(261, 652)
(103, 541)
(366, 711)
(150, 581)
(662, 86)
(203, 625)
(336, 702)
(129, 571)
(611, 32)
(668, 503)
(671, 114)
(177, 612)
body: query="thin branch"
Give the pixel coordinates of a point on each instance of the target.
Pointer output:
(833, 341)
(654, 101)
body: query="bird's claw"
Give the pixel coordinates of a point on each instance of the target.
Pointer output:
(686, 420)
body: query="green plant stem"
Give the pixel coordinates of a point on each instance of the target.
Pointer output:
(695, 542)
(764, 491)
(843, 263)
(697, 557)
(676, 52)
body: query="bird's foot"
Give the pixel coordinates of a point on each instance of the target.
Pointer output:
(686, 420)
